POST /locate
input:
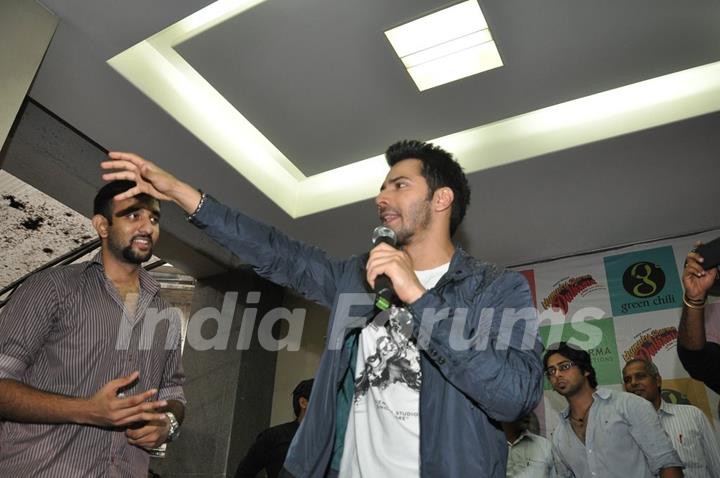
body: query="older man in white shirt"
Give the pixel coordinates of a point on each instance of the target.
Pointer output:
(529, 455)
(686, 425)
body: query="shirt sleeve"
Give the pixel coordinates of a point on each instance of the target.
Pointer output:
(25, 322)
(648, 433)
(710, 444)
(703, 364)
(173, 376)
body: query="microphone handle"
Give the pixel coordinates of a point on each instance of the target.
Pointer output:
(384, 293)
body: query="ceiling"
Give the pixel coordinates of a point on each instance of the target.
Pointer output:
(319, 80)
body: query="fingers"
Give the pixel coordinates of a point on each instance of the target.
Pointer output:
(137, 399)
(380, 265)
(119, 164)
(127, 411)
(139, 417)
(121, 382)
(150, 428)
(398, 266)
(693, 265)
(149, 436)
(380, 260)
(118, 175)
(130, 157)
(138, 434)
(132, 192)
(696, 280)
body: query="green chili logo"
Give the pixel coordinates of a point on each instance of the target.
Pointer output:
(643, 279)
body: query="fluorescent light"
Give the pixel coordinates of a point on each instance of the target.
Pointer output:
(468, 62)
(445, 46)
(453, 22)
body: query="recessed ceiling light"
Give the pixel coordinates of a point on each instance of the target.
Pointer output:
(445, 46)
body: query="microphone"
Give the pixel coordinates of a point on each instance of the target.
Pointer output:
(384, 293)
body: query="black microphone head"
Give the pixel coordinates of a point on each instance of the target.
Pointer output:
(384, 234)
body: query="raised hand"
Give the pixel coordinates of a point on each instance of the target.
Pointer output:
(149, 179)
(107, 409)
(696, 280)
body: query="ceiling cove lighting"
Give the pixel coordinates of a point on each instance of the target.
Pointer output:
(155, 68)
(446, 46)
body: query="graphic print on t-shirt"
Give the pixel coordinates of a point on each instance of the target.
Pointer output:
(396, 359)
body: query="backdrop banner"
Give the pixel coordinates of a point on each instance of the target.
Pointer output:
(618, 305)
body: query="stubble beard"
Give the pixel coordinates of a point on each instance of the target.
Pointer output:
(127, 253)
(419, 217)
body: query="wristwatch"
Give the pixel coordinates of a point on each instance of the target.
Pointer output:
(174, 432)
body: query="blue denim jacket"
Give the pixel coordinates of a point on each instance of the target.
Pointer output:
(464, 391)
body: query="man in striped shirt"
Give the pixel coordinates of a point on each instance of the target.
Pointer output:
(686, 425)
(90, 381)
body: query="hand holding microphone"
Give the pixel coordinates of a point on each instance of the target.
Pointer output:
(390, 271)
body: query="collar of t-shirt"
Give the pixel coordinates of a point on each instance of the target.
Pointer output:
(428, 278)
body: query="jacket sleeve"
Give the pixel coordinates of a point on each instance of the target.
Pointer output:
(703, 364)
(489, 351)
(274, 255)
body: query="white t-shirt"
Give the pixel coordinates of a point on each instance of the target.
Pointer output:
(383, 430)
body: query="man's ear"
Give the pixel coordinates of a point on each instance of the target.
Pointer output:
(443, 198)
(303, 402)
(100, 223)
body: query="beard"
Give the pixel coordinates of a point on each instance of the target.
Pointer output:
(418, 219)
(571, 390)
(127, 253)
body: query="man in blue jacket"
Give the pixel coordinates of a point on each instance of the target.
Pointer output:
(416, 391)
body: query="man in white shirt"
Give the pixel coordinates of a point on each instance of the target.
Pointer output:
(686, 425)
(529, 455)
(604, 433)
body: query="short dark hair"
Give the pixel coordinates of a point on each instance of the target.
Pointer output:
(102, 204)
(302, 390)
(439, 169)
(577, 355)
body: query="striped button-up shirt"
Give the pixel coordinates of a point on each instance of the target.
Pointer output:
(623, 439)
(693, 438)
(67, 331)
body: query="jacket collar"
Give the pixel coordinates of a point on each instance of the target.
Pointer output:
(463, 265)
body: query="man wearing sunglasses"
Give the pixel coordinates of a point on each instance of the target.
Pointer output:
(602, 432)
